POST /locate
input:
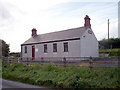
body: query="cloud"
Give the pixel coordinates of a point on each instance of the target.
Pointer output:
(5, 15)
(18, 17)
(98, 12)
(9, 15)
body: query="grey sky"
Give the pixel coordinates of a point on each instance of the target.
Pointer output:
(18, 17)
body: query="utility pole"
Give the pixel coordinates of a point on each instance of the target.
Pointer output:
(108, 33)
(119, 19)
(108, 29)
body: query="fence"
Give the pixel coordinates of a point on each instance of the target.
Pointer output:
(68, 61)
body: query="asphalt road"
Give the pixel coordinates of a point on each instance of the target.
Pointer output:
(14, 84)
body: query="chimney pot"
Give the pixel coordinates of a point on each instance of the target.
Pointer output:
(34, 32)
(87, 22)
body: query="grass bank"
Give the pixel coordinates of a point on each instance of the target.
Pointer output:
(111, 52)
(0, 68)
(63, 77)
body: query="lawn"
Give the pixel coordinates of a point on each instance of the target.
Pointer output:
(63, 77)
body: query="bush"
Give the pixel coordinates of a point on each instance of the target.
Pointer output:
(63, 77)
(115, 53)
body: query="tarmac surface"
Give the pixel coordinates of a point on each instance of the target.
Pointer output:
(13, 85)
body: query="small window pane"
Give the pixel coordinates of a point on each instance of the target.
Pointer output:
(25, 49)
(55, 47)
(66, 47)
(45, 48)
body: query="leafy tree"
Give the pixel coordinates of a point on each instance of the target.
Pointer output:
(111, 43)
(15, 54)
(4, 48)
(0, 48)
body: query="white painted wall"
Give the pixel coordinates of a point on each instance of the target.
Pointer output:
(89, 45)
(29, 49)
(85, 47)
(73, 50)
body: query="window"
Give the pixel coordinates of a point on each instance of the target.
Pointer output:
(45, 48)
(55, 47)
(25, 49)
(65, 47)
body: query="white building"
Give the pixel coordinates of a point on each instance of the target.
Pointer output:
(75, 42)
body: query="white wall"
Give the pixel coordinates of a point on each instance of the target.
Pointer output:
(85, 47)
(29, 49)
(73, 50)
(89, 45)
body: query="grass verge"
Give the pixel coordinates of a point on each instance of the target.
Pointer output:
(62, 77)
(111, 52)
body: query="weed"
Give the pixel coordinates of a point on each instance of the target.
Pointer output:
(63, 77)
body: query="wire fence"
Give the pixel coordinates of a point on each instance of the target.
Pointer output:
(67, 61)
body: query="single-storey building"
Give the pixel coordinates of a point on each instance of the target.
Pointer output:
(75, 42)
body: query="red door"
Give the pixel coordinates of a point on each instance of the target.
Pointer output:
(33, 52)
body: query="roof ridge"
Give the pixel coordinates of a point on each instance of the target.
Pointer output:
(62, 30)
(58, 35)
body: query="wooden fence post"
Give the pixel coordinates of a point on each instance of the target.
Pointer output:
(8, 60)
(42, 60)
(90, 62)
(27, 61)
(118, 61)
(64, 60)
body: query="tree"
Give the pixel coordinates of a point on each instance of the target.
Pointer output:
(111, 43)
(15, 54)
(4, 48)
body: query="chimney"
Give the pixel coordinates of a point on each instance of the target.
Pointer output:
(34, 32)
(87, 22)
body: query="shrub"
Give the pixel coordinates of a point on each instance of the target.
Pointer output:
(63, 77)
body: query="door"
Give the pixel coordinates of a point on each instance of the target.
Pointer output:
(33, 52)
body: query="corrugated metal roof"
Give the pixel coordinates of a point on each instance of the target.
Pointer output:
(59, 35)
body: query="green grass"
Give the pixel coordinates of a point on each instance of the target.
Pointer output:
(109, 50)
(0, 68)
(63, 77)
(112, 52)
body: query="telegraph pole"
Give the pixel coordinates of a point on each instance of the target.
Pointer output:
(108, 33)
(108, 29)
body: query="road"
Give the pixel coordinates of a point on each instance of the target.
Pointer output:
(14, 84)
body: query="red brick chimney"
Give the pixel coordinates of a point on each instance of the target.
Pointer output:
(87, 22)
(34, 32)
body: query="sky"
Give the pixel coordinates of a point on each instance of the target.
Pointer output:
(18, 17)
